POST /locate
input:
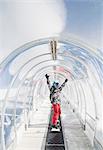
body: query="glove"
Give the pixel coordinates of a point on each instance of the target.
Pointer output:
(66, 80)
(46, 76)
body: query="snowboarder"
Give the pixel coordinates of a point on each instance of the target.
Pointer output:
(55, 91)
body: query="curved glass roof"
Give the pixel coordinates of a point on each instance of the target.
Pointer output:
(28, 65)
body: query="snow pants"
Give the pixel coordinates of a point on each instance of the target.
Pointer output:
(56, 113)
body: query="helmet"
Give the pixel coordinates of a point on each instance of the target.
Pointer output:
(55, 84)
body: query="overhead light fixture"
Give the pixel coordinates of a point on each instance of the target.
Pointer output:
(53, 45)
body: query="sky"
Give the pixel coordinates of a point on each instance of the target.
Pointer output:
(85, 21)
(22, 21)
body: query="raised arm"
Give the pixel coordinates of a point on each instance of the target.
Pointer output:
(60, 88)
(48, 81)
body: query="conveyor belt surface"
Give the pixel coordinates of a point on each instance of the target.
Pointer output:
(54, 140)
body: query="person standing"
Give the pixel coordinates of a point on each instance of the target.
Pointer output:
(55, 91)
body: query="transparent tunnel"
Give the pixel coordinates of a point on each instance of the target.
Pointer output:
(24, 92)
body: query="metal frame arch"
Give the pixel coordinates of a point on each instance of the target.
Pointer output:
(4, 106)
(27, 46)
(90, 83)
(40, 76)
(96, 117)
(85, 104)
(72, 57)
(88, 69)
(44, 43)
(34, 59)
(81, 61)
(61, 42)
(34, 76)
(19, 72)
(81, 44)
(64, 65)
(81, 91)
(36, 72)
(23, 80)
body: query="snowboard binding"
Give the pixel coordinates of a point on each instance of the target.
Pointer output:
(56, 128)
